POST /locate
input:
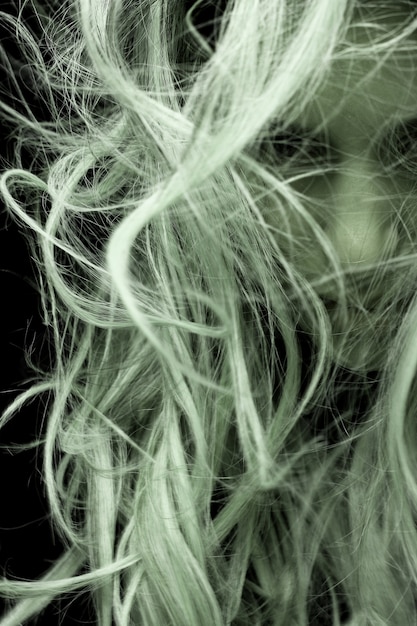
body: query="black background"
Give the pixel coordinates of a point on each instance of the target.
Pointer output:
(27, 543)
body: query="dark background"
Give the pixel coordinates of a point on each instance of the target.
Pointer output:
(27, 543)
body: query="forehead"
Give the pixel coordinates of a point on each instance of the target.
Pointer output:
(384, 24)
(373, 78)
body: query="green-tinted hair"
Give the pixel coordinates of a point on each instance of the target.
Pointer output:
(206, 460)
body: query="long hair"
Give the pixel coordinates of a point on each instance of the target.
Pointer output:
(208, 456)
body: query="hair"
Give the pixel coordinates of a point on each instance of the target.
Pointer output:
(207, 458)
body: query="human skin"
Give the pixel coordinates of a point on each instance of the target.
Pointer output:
(356, 201)
(359, 98)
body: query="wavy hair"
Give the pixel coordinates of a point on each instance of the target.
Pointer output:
(207, 457)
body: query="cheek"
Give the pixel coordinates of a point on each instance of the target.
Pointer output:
(298, 230)
(312, 207)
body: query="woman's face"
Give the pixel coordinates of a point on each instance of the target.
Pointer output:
(362, 102)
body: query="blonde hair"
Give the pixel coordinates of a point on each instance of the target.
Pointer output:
(205, 460)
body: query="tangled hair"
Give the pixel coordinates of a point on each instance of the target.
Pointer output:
(207, 458)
